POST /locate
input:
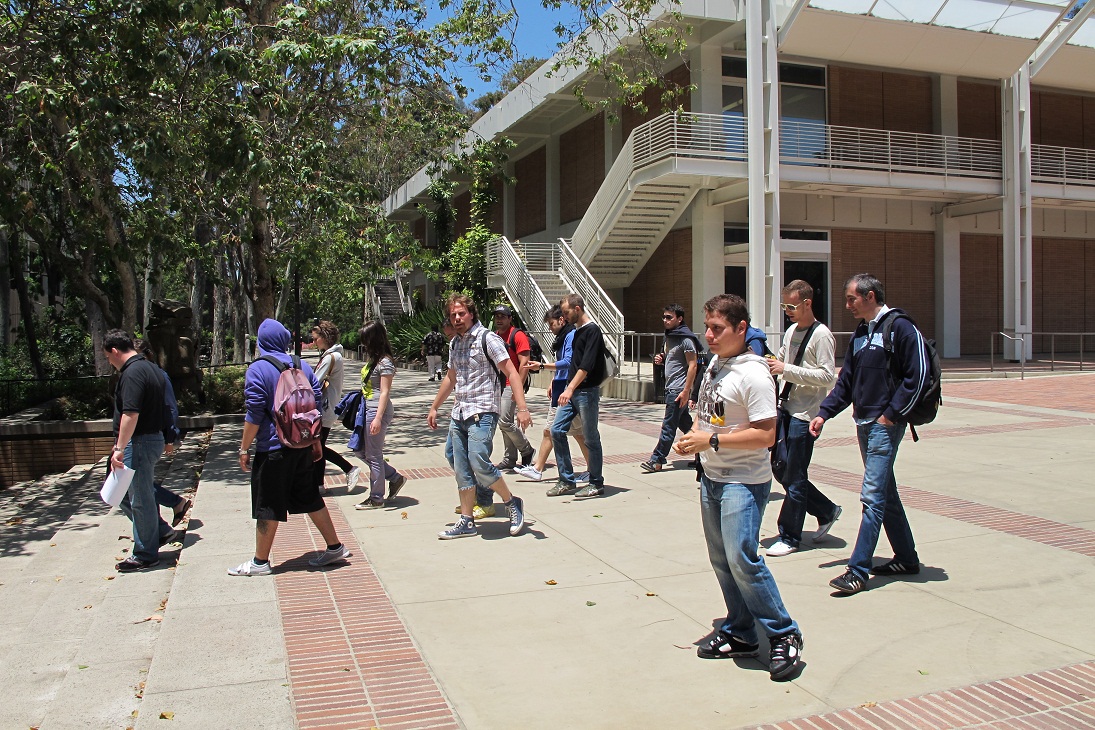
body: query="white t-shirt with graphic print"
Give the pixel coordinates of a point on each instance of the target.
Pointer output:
(735, 392)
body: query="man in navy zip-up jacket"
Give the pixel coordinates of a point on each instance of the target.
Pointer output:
(881, 394)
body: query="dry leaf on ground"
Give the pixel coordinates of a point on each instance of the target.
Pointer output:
(551, 582)
(167, 715)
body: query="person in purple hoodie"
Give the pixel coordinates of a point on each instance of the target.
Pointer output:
(282, 480)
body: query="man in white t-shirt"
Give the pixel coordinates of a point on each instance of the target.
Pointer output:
(735, 425)
(806, 385)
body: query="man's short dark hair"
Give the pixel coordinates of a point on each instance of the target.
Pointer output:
(556, 312)
(676, 309)
(119, 340)
(574, 301)
(867, 283)
(730, 307)
(800, 287)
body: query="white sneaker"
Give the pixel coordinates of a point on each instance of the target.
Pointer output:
(529, 472)
(583, 477)
(780, 548)
(824, 527)
(251, 568)
(351, 478)
(330, 556)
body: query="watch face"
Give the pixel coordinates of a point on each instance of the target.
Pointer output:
(715, 441)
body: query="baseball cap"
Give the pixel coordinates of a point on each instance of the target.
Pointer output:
(503, 309)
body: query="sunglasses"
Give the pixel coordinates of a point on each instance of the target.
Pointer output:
(669, 316)
(793, 307)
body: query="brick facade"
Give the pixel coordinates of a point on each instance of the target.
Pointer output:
(880, 100)
(903, 260)
(982, 291)
(581, 167)
(24, 460)
(979, 110)
(666, 279)
(1063, 120)
(530, 193)
(630, 118)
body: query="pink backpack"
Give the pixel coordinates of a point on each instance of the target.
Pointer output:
(296, 418)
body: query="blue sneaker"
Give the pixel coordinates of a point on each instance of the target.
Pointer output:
(464, 527)
(516, 508)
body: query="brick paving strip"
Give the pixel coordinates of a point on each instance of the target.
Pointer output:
(1055, 698)
(352, 663)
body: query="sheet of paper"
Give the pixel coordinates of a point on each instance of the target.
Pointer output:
(116, 485)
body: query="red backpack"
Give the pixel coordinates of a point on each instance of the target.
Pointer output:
(296, 418)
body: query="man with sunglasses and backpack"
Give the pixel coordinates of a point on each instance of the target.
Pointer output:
(807, 377)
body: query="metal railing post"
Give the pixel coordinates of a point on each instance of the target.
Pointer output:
(992, 356)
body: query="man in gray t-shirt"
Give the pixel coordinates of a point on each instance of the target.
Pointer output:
(679, 358)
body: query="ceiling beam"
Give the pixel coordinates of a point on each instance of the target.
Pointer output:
(1058, 36)
(792, 16)
(732, 193)
(974, 207)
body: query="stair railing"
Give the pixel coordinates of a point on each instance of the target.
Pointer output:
(404, 298)
(521, 289)
(598, 304)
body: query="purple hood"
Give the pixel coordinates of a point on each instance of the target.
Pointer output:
(262, 381)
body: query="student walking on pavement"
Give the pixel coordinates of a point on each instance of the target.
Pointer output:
(804, 387)
(880, 393)
(581, 397)
(519, 348)
(329, 373)
(375, 415)
(563, 350)
(477, 359)
(282, 478)
(679, 359)
(735, 425)
(138, 444)
(433, 347)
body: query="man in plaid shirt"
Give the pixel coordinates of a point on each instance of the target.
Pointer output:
(476, 358)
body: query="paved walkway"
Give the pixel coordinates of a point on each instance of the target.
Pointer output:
(590, 618)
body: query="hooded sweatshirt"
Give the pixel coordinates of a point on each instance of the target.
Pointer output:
(262, 381)
(331, 368)
(757, 341)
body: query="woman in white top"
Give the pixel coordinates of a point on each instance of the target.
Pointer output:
(329, 374)
(376, 388)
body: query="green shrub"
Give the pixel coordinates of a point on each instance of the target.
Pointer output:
(406, 332)
(224, 389)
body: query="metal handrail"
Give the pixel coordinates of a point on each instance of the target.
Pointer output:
(1053, 345)
(520, 287)
(598, 304)
(1021, 339)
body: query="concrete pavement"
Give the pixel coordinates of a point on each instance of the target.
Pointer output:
(590, 618)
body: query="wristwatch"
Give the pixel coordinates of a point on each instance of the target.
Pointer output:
(715, 441)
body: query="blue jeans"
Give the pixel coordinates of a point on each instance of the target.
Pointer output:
(676, 417)
(484, 496)
(802, 496)
(881, 504)
(472, 443)
(139, 503)
(732, 513)
(586, 404)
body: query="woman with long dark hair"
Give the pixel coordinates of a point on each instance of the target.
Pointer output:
(376, 414)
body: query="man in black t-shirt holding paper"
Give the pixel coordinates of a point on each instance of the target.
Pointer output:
(138, 444)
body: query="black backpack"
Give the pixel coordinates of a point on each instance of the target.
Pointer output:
(927, 407)
(536, 353)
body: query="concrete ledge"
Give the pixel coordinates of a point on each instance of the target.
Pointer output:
(98, 427)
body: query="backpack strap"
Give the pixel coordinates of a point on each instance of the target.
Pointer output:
(282, 367)
(497, 373)
(798, 361)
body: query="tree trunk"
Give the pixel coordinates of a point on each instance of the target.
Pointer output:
(203, 236)
(26, 309)
(286, 291)
(221, 304)
(5, 291)
(96, 325)
(152, 286)
(262, 282)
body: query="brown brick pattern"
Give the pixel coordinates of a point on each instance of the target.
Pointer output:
(24, 460)
(982, 291)
(530, 194)
(461, 205)
(1056, 698)
(666, 279)
(632, 117)
(352, 663)
(1056, 118)
(979, 110)
(903, 260)
(880, 100)
(581, 167)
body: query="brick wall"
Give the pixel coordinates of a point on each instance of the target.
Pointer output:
(903, 260)
(652, 99)
(666, 278)
(1064, 276)
(982, 291)
(24, 460)
(418, 230)
(530, 197)
(462, 206)
(979, 110)
(880, 100)
(496, 215)
(581, 167)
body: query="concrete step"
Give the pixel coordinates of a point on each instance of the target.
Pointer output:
(78, 637)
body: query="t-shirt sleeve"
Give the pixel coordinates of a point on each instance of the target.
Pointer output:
(496, 349)
(759, 393)
(521, 343)
(385, 367)
(688, 345)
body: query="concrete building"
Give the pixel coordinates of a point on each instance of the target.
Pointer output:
(947, 146)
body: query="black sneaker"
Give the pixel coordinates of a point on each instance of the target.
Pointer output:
(784, 656)
(725, 646)
(650, 467)
(849, 583)
(134, 565)
(505, 465)
(896, 567)
(527, 457)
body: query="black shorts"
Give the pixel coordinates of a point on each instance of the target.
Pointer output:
(282, 483)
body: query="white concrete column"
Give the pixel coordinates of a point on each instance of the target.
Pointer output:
(552, 186)
(1018, 231)
(948, 285)
(708, 269)
(614, 142)
(765, 277)
(706, 75)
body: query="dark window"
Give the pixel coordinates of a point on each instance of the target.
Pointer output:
(805, 235)
(733, 67)
(735, 235)
(791, 73)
